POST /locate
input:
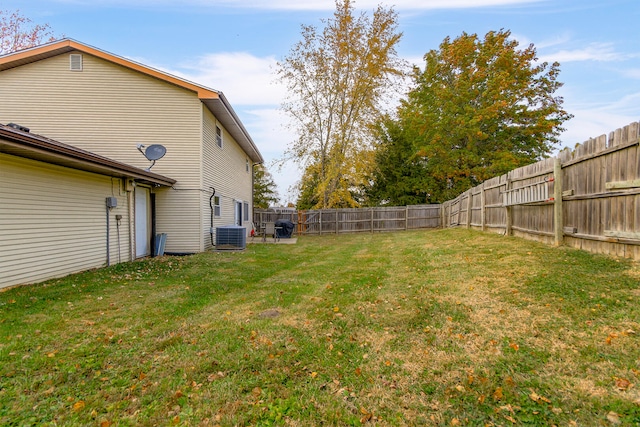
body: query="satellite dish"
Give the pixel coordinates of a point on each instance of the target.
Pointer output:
(153, 152)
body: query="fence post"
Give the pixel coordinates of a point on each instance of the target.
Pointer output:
(557, 202)
(371, 220)
(336, 221)
(509, 214)
(406, 218)
(483, 212)
(320, 221)
(469, 202)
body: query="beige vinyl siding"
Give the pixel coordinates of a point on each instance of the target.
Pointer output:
(108, 109)
(53, 221)
(225, 170)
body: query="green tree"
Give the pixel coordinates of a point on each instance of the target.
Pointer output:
(478, 109)
(18, 32)
(401, 177)
(336, 81)
(264, 188)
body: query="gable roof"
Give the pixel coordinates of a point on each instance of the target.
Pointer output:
(22, 143)
(214, 100)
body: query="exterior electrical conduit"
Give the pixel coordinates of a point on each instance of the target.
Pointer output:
(211, 208)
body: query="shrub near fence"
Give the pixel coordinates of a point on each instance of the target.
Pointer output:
(334, 221)
(587, 198)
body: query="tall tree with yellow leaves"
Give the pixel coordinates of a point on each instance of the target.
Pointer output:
(336, 80)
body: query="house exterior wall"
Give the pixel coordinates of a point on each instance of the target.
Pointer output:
(108, 109)
(53, 221)
(225, 170)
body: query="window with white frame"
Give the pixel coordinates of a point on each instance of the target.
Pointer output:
(219, 136)
(217, 209)
(246, 211)
(247, 165)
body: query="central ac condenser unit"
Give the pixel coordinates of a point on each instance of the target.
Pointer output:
(231, 237)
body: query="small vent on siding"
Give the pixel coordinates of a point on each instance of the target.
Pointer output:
(75, 62)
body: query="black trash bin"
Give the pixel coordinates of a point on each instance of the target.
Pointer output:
(284, 228)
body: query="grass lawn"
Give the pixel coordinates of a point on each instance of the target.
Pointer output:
(445, 327)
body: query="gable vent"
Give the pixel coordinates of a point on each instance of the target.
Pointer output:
(75, 62)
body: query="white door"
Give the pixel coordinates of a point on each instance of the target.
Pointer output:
(238, 212)
(143, 221)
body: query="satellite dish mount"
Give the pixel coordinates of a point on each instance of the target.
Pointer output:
(152, 153)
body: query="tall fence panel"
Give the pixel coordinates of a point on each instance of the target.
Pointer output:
(587, 198)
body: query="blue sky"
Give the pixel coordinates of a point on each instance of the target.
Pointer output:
(233, 46)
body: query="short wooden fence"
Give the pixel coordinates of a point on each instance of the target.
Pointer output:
(356, 220)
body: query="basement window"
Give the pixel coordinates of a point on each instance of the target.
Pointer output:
(75, 62)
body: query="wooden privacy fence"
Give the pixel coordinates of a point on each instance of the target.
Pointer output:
(325, 221)
(587, 198)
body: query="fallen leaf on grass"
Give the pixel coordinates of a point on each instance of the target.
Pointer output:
(623, 384)
(514, 346)
(366, 415)
(497, 395)
(510, 418)
(613, 418)
(79, 405)
(537, 398)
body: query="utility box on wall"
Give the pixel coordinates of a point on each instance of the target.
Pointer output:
(112, 202)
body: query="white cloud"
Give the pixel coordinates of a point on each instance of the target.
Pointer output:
(592, 120)
(633, 73)
(267, 128)
(604, 52)
(245, 79)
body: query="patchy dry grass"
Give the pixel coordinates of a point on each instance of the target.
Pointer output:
(447, 327)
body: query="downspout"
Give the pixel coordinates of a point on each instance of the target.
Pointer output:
(108, 255)
(211, 209)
